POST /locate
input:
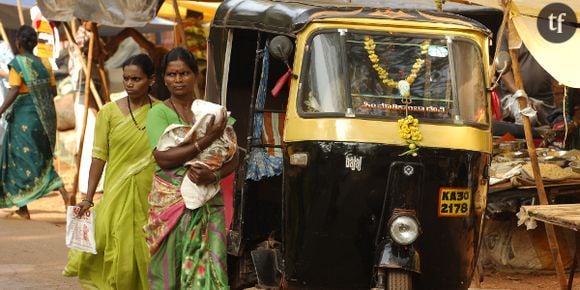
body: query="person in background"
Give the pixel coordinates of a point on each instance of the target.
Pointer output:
(120, 142)
(188, 247)
(26, 166)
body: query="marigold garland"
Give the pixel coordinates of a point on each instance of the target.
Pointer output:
(369, 45)
(409, 130)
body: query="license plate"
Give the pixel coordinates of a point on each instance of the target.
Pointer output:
(454, 202)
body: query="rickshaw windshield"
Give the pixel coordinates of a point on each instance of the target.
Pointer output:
(372, 75)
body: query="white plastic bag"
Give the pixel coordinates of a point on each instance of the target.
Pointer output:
(80, 232)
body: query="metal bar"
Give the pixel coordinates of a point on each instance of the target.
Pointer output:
(345, 71)
(456, 113)
(226, 71)
(270, 111)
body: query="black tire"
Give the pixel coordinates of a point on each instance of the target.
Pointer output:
(399, 279)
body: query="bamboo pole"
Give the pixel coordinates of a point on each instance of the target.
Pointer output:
(542, 196)
(101, 67)
(93, 88)
(86, 112)
(20, 14)
(5, 36)
(180, 28)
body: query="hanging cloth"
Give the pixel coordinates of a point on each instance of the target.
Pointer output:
(260, 163)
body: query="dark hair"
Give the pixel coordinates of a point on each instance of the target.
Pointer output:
(180, 53)
(143, 61)
(27, 37)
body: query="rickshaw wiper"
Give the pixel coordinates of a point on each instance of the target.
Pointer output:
(344, 62)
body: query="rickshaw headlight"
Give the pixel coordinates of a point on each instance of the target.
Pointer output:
(404, 229)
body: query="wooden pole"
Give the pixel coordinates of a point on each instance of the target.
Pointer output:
(101, 66)
(73, 25)
(93, 88)
(5, 36)
(542, 196)
(179, 24)
(86, 112)
(20, 14)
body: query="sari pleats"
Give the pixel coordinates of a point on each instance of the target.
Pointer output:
(193, 254)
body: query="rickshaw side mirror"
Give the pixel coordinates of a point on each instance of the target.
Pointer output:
(281, 47)
(502, 61)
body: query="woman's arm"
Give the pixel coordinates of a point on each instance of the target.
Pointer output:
(201, 175)
(95, 173)
(177, 156)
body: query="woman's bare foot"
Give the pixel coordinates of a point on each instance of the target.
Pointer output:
(23, 212)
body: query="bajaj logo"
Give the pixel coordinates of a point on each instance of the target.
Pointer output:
(353, 162)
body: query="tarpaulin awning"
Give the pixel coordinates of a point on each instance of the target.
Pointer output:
(125, 13)
(558, 59)
(157, 24)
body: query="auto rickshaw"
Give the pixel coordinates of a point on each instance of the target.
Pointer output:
(367, 142)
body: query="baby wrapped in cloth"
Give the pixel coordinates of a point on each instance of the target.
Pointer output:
(213, 157)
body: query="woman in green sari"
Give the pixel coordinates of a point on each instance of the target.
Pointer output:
(26, 169)
(188, 246)
(120, 142)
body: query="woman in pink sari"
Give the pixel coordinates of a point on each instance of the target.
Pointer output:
(188, 247)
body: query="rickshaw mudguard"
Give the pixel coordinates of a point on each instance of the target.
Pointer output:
(392, 256)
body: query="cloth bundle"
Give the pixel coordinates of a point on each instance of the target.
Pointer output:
(212, 157)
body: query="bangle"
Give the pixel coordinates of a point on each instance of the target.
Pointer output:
(217, 175)
(90, 202)
(196, 145)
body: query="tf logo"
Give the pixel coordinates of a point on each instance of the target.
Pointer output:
(557, 22)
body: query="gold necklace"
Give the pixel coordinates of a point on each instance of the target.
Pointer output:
(403, 85)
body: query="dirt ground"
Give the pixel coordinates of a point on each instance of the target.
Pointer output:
(33, 254)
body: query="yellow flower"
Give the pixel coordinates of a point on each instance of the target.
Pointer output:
(409, 131)
(370, 45)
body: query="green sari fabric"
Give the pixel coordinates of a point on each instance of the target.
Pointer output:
(26, 169)
(188, 247)
(122, 257)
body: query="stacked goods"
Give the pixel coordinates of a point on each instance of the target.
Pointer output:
(550, 172)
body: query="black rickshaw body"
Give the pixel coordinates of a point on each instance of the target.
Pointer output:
(349, 188)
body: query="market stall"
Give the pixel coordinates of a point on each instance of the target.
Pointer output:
(523, 174)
